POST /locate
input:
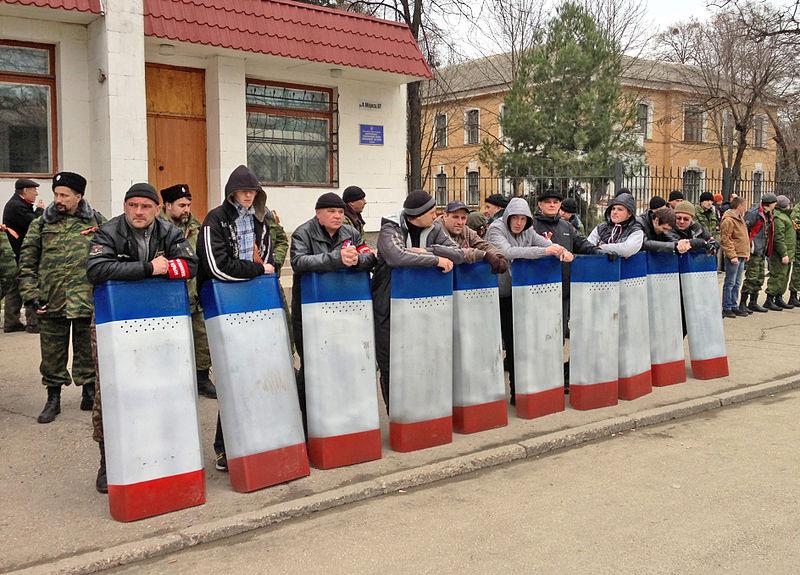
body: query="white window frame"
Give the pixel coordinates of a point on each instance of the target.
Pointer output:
(467, 175)
(477, 127)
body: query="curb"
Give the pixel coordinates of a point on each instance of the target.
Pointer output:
(128, 553)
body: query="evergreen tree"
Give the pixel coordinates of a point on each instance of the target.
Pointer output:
(566, 113)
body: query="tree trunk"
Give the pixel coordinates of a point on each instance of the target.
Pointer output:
(414, 102)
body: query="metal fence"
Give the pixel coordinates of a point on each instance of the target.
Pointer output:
(593, 192)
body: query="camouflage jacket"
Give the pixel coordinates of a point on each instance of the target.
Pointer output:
(796, 222)
(8, 263)
(785, 237)
(191, 231)
(52, 261)
(708, 219)
(280, 241)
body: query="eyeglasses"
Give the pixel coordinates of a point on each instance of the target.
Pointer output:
(683, 218)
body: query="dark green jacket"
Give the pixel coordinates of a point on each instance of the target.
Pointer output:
(280, 241)
(8, 264)
(785, 237)
(52, 261)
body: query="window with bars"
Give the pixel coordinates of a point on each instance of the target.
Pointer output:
(291, 134)
(692, 184)
(473, 189)
(471, 126)
(758, 184)
(27, 108)
(692, 124)
(440, 131)
(441, 189)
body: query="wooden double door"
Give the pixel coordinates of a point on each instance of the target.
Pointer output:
(176, 131)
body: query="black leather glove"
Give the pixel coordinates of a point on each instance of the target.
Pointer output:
(712, 246)
(697, 243)
(498, 262)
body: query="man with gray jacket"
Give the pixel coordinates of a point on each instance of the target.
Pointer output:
(408, 240)
(515, 237)
(322, 244)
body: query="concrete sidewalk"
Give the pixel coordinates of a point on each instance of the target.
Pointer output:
(54, 519)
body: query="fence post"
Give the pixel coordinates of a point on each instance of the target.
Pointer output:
(726, 184)
(619, 174)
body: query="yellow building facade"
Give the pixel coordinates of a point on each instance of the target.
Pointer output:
(680, 142)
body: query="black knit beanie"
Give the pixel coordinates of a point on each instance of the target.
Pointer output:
(657, 202)
(329, 200)
(417, 203)
(675, 195)
(353, 194)
(142, 190)
(706, 197)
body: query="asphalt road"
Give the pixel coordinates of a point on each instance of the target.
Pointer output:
(716, 493)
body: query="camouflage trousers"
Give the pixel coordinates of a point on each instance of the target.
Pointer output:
(754, 274)
(13, 307)
(97, 407)
(202, 357)
(794, 283)
(778, 276)
(54, 336)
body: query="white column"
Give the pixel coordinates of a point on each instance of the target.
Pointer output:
(226, 121)
(119, 108)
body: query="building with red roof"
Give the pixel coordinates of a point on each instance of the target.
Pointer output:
(182, 91)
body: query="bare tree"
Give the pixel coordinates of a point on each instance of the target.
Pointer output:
(763, 19)
(733, 78)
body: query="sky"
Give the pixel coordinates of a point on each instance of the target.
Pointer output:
(660, 13)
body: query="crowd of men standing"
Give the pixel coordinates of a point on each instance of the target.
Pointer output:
(51, 257)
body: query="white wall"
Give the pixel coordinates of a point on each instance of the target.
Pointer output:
(72, 96)
(379, 170)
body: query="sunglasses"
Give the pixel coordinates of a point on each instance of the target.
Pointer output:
(683, 218)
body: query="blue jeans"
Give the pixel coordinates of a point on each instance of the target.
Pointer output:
(734, 274)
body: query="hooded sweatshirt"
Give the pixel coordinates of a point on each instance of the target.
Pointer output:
(623, 239)
(528, 244)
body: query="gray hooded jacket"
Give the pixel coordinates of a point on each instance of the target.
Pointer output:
(526, 245)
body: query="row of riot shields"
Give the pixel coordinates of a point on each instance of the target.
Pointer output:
(446, 362)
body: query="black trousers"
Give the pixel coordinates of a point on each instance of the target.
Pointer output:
(507, 333)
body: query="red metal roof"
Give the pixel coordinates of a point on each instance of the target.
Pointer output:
(290, 30)
(92, 6)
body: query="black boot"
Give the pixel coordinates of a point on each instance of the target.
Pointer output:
(53, 405)
(779, 302)
(101, 483)
(753, 305)
(87, 397)
(743, 305)
(771, 305)
(204, 385)
(793, 301)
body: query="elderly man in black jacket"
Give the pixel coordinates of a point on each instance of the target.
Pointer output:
(18, 214)
(134, 246)
(322, 244)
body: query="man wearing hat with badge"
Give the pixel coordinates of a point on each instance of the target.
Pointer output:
(408, 239)
(354, 199)
(52, 281)
(18, 214)
(134, 246)
(177, 210)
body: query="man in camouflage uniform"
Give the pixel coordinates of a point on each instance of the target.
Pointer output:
(706, 214)
(794, 284)
(8, 265)
(354, 200)
(780, 264)
(280, 247)
(760, 227)
(177, 210)
(52, 280)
